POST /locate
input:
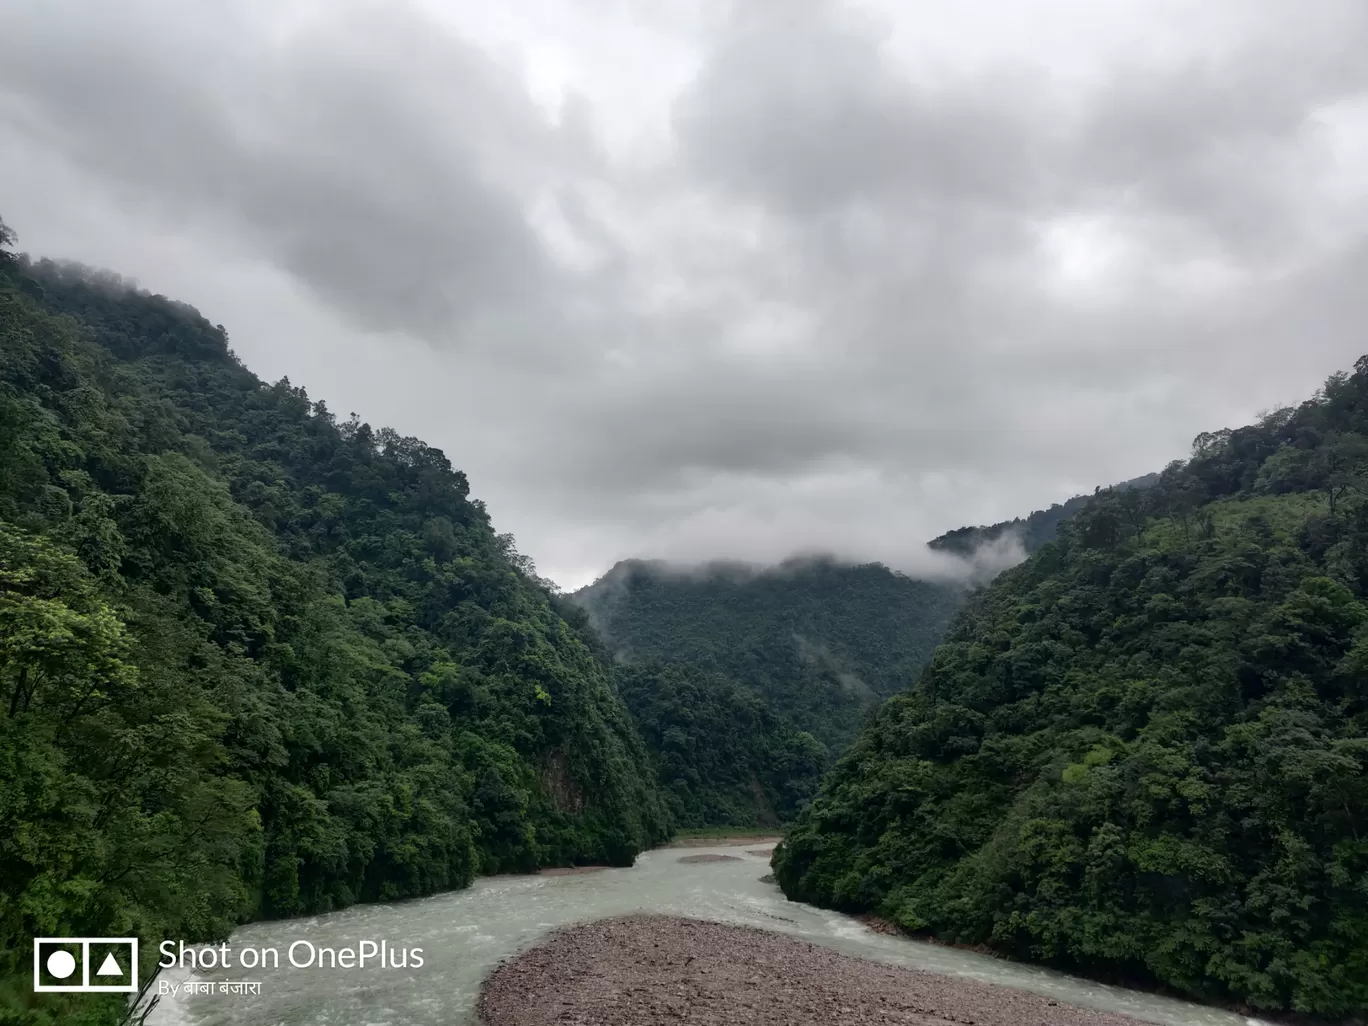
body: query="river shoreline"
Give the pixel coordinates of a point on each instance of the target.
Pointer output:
(1255, 1017)
(639, 969)
(468, 935)
(721, 840)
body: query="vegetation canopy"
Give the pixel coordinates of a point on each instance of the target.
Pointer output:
(745, 682)
(256, 661)
(1142, 753)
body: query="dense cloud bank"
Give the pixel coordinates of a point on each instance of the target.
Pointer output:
(708, 280)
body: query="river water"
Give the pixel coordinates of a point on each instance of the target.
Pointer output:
(463, 934)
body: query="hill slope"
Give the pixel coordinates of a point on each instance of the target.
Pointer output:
(1143, 751)
(254, 661)
(722, 755)
(1038, 529)
(804, 651)
(800, 653)
(820, 641)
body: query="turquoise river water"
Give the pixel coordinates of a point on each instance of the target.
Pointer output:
(463, 934)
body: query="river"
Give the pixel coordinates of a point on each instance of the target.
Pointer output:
(463, 934)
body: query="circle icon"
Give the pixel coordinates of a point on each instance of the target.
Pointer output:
(61, 964)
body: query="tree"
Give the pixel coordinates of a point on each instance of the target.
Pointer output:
(61, 647)
(1340, 462)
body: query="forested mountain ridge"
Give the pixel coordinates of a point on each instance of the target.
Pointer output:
(803, 651)
(1034, 531)
(800, 652)
(819, 639)
(1144, 752)
(254, 661)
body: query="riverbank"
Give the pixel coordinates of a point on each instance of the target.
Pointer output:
(466, 935)
(640, 969)
(714, 838)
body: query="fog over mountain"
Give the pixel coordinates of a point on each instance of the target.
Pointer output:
(703, 280)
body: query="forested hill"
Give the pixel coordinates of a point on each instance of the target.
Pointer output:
(804, 650)
(746, 681)
(820, 640)
(1143, 753)
(1034, 531)
(256, 661)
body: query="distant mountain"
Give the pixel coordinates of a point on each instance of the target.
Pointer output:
(819, 640)
(800, 653)
(808, 648)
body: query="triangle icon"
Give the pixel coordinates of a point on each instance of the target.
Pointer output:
(109, 967)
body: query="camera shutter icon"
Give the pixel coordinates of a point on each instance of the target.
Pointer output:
(77, 965)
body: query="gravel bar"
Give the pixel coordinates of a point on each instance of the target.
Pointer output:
(710, 858)
(644, 970)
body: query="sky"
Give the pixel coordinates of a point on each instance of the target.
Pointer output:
(696, 279)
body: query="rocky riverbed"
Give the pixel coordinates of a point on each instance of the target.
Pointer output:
(642, 970)
(687, 859)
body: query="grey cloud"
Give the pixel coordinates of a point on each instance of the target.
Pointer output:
(1229, 146)
(802, 110)
(323, 149)
(830, 318)
(810, 113)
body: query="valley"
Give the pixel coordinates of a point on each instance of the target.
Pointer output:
(261, 665)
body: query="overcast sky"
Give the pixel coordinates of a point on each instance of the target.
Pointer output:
(695, 279)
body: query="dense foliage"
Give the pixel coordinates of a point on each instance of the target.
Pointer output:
(255, 661)
(723, 757)
(1142, 753)
(804, 651)
(1038, 529)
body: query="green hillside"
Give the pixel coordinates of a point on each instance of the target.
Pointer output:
(809, 648)
(1038, 529)
(723, 756)
(1141, 754)
(256, 661)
